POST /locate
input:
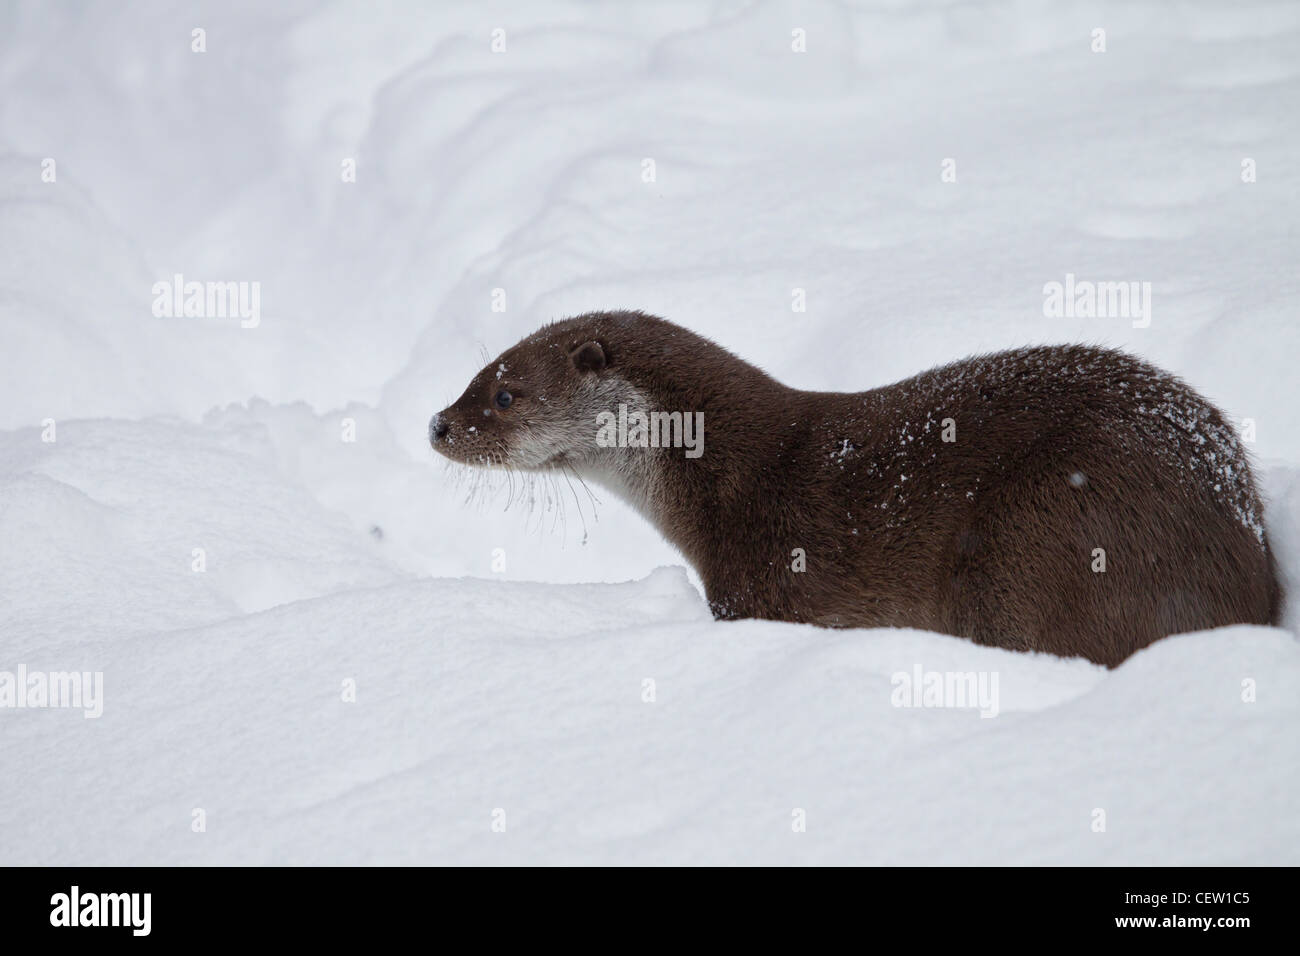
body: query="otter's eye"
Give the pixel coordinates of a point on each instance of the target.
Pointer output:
(503, 399)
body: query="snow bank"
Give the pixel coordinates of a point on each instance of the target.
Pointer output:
(475, 696)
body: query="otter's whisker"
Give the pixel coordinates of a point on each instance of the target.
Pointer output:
(559, 502)
(510, 488)
(576, 501)
(595, 501)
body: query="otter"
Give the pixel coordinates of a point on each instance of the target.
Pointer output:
(1066, 499)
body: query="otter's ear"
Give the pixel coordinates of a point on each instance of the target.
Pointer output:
(588, 357)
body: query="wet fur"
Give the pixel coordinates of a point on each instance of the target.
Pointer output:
(1059, 451)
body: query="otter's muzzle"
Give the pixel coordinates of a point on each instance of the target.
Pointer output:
(439, 426)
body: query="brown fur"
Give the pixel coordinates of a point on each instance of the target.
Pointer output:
(1059, 451)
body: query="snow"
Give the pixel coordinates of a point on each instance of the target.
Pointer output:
(331, 564)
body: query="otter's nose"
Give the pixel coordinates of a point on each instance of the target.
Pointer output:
(438, 428)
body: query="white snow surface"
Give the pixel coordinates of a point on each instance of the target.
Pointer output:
(523, 691)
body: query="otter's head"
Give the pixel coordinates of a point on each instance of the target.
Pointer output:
(535, 406)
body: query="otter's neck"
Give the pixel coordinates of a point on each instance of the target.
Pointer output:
(743, 421)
